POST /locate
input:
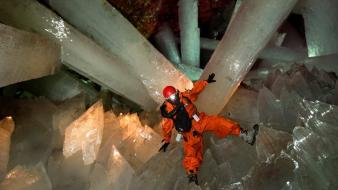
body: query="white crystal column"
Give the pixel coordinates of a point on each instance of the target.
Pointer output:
(166, 42)
(248, 33)
(6, 130)
(25, 56)
(78, 52)
(321, 26)
(270, 53)
(189, 32)
(111, 30)
(85, 134)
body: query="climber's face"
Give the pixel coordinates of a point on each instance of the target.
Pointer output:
(174, 98)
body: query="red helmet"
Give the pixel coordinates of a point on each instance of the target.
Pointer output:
(168, 91)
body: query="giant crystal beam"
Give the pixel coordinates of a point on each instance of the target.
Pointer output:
(6, 130)
(248, 33)
(25, 56)
(269, 53)
(165, 40)
(78, 52)
(321, 26)
(189, 32)
(111, 30)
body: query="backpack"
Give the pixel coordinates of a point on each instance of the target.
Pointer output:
(180, 117)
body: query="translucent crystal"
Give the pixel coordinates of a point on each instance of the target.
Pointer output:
(114, 173)
(6, 130)
(232, 151)
(128, 47)
(242, 107)
(326, 63)
(166, 42)
(79, 52)
(31, 141)
(271, 142)
(139, 142)
(68, 173)
(67, 112)
(189, 32)
(60, 87)
(166, 166)
(30, 56)
(321, 30)
(85, 134)
(23, 178)
(277, 174)
(246, 36)
(270, 109)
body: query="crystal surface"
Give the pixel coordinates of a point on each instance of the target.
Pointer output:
(233, 58)
(166, 42)
(117, 35)
(27, 178)
(321, 30)
(30, 56)
(113, 173)
(79, 52)
(85, 134)
(189, 32)
(6, 129)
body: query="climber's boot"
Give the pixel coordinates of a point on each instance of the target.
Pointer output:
(193, 178)
(249, 136)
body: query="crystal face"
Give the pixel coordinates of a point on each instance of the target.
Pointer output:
(85, 134)
(246, 36)
(26, 56)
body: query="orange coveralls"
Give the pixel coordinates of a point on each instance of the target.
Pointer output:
(193, 145)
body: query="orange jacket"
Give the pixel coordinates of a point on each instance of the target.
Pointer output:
(191, 96)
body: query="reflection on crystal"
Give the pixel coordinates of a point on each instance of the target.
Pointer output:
(23, 178)
(117, 35)
(139, 143)
(248, 26)
(25, 56)
(79, 52)
(6, 130)
(114, 173)
(85, 134)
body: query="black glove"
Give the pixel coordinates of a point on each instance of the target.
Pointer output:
(211, 78)
(164, 147)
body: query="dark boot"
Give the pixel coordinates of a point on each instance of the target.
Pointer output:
(193, 178)
(249, 136)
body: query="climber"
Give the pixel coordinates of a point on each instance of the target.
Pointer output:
(179, 111)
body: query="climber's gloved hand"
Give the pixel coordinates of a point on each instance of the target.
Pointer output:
(211, 78)
(164, 146)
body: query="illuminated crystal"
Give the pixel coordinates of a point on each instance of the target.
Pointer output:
(139, 142)
(128, 47)
(25, 56)
(85, 134)
(321, 28)
(113, 173)
(24, 178)
(83, 55)
(246, 36)
(6, 130)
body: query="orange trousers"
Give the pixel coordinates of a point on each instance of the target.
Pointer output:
(193, 140)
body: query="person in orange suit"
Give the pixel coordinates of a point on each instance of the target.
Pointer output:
(180, 113)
